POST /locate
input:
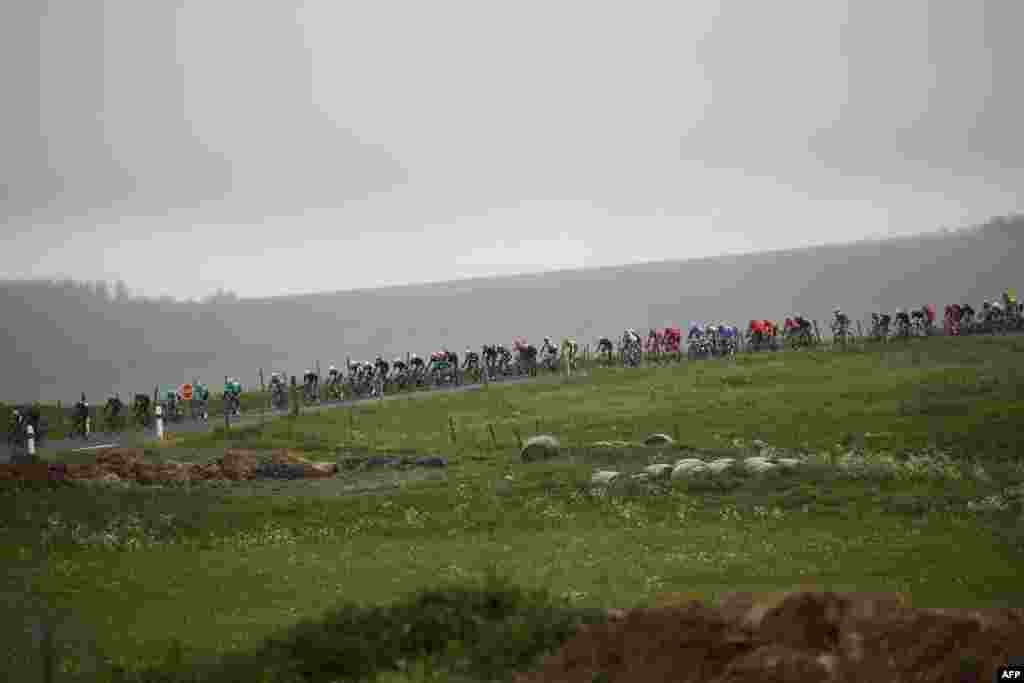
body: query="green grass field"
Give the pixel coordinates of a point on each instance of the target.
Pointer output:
(333, 572)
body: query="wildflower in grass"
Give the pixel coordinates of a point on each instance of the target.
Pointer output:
(415, 518)
(994, 503)
(730, 512)
(654, 583)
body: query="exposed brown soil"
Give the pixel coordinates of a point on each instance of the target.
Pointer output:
(127, 464)
(798, 637)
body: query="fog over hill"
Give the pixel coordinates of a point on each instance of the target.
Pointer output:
(61, 338)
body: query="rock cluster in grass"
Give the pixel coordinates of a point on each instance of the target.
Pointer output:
(688, 467)
(128, 465)
(381, 461)
(819, 637)
(758, 457)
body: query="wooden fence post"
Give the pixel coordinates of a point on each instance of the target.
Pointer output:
(263, 403)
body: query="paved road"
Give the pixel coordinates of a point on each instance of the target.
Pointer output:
(101, 440)
(106, 440)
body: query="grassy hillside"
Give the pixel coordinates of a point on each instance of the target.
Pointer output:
(62, 339)
(332, 568)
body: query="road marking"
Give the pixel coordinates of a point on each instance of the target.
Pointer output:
(90, 448)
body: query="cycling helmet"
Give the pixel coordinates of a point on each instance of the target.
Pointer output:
(397, 360)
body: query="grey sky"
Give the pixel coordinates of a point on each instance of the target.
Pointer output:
(349, 145)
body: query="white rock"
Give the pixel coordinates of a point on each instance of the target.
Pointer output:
(689, 461)
(758, 464)
(658, 440)
(604, 477)
(658, 470)
(721, 464)
(787, 462)
(540, 447)
(686, 468)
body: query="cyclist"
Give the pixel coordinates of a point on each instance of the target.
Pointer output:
(113, 412)
(81, 416)
(200, 401)
(569, 350)
(233, 396)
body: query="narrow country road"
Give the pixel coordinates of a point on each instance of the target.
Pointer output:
(187, 426)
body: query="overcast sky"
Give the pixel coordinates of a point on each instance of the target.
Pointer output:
(348, 145)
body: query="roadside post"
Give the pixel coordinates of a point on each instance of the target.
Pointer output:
(159, 422)
(30, 432)
(227, 406)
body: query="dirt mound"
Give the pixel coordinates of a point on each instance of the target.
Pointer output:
(798, 637)
(306, 468)
(239, 465)
(31, 472)
(127, 464)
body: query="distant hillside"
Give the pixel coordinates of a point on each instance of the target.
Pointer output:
(60, 338)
